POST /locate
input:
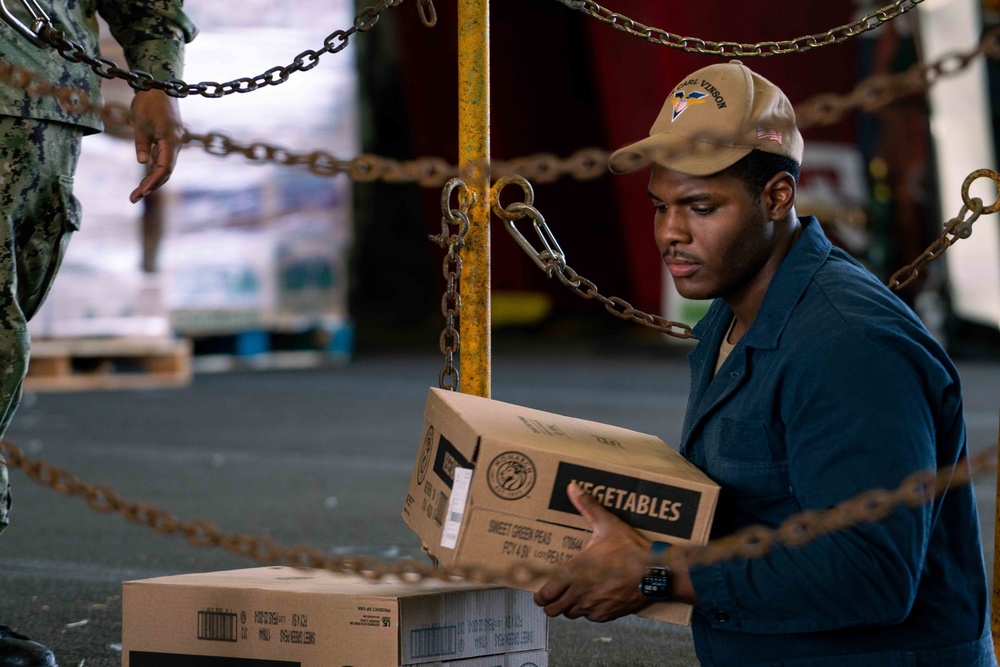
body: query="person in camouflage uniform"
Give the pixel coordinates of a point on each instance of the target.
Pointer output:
(39, 148)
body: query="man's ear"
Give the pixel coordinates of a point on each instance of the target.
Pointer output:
(779, 195)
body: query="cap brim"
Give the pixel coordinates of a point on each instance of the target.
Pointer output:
(677, 153)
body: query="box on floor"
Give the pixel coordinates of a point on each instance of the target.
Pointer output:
(312, 618)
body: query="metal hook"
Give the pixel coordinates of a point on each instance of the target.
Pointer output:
(962, 227)
(552, 258)
(39, 20)
(981, 173)
(428, 13)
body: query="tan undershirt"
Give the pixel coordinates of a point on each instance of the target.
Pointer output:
(725, 347)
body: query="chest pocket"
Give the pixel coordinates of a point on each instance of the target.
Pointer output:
(739, 456)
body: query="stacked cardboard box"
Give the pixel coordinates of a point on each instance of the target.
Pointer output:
(489, 487)
(245, 245)
(283, 277)
(254, 245)
(280, 616)
(100, 289)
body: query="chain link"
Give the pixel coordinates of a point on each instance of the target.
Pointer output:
(880, 90)
(73, 100)
(261, 549)
(451, 301)
(737, 49)
(870, 95)
(552, 260)
(427, 12)
(956, 228)
(869, 507)
(584, 164)
(751, 542)
(335, 42)
(959, 227)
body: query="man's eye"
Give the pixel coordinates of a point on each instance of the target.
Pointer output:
(659, 207)
(705, 210)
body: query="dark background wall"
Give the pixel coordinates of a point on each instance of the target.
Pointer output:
(561, 81)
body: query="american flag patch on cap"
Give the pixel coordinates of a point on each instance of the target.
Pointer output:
(769, 133)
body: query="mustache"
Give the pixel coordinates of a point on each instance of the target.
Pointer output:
(676, 255)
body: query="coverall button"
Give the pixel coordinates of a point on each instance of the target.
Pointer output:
(721, 616)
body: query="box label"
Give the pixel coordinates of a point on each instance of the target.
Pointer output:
(511, 475)
(424, 460)
(642, 504)
(433, 642)
(541, 428)
(217, 626)
(456, 508)
(504, 539)
(447, 460)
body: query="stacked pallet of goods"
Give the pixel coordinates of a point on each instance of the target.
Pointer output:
(248, 255)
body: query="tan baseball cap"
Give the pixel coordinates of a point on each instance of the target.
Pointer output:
(712, 119)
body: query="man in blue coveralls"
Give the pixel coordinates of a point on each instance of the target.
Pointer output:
(811, 383)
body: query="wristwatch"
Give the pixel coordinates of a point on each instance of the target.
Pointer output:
(658, 581)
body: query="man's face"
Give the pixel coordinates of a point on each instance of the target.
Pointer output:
(713, 236)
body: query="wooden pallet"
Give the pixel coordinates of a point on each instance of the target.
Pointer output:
(257, 349)
(85, 364)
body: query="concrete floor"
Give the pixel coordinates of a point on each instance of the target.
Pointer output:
(315, 456)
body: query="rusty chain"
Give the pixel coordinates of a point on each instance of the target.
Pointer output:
(73, 100)
(451, 301)
(868, 507)
(959, 227)
(552, 260)
(751, 542)
(427, 13)
(200, 533)
(871, 94)
(47, 35)
(880, 90)
(735, 49)
(584, 164)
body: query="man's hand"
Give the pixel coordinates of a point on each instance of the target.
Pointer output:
(157, 125)
(602, 583)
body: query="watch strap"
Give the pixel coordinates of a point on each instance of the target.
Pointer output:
(658, 580)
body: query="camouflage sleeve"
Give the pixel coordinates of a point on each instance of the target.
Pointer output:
(152, 33)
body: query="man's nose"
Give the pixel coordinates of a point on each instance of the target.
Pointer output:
(673, 228)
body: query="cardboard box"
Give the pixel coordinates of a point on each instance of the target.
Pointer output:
(225, 281)
(88, 300)
(538, 658)
(273, 616)
(489, 486)
(518, 659)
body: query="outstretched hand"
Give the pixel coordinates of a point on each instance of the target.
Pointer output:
(157, 125)
(602, 583)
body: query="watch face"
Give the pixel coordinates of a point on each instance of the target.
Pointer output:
(658, 583)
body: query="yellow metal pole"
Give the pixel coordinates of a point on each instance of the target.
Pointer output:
(473, 160)
(995, 607)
